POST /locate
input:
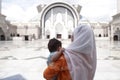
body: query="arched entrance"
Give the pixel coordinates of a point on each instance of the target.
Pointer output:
(47, 34)
(115, 37)
(70, 34)
(2, 35)
(58, 14)
(99, 35)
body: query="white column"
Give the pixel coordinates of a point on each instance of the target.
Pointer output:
(65, 31)
(112, 32)
(66, 18)
(52, 31)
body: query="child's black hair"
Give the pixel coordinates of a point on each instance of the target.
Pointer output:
(54, 44)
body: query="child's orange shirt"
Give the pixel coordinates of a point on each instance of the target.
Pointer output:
(58, 68)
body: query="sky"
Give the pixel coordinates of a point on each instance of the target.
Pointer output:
(93, 10)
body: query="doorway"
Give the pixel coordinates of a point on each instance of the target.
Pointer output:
(59, 36)
(2, 37)
(115, 38)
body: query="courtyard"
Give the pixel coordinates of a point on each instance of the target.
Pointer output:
(26, 60)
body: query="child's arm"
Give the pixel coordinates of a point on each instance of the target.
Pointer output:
(57, 55)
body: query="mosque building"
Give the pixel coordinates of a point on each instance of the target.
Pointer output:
(58, 20)
(115, 25)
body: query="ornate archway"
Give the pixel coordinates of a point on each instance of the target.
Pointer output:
(58, 8)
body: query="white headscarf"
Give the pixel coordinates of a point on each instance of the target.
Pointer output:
(81, 54)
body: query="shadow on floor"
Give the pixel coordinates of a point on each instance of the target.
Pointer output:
(42, 57)
(8, 58)
(14, 77)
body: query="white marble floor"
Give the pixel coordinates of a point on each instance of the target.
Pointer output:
(26, 60)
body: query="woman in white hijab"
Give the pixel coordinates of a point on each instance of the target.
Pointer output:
(81, 54)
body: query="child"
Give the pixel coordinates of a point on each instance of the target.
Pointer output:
(55, 49)
(57, 67)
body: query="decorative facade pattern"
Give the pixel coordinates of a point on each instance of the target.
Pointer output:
(59, 19)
